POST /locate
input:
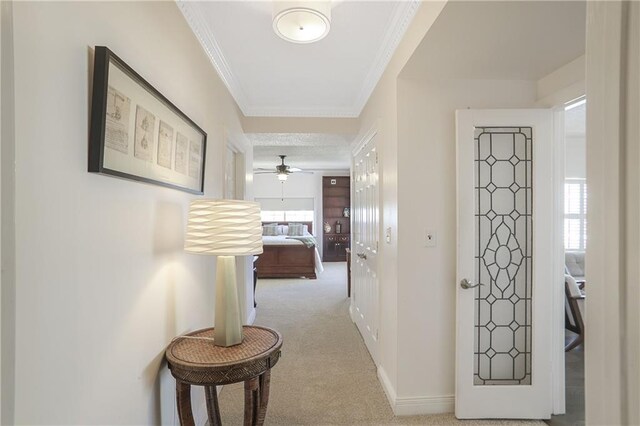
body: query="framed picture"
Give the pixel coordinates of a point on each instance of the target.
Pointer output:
(136, 133)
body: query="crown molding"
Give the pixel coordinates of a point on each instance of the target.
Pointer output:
(267, 111)
(404, 13)
(194, 17)
(398, 24)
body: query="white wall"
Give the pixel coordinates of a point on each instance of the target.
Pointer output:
(103, 283)
(575, 156)
(562, 85)
(381, 114)
(307, 185)
(612, 365)
(416, 139)
(427, 200)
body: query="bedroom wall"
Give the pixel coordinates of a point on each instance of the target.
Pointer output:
(297, 186)
(103, 283)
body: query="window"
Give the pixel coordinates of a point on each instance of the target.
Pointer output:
(287, 215)
(575, 214)
(286, 209)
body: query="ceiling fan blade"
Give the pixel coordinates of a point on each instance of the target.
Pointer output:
(263, 169)
(263, 173)
(294, 169)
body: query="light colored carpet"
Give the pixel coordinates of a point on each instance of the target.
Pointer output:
(325, 375)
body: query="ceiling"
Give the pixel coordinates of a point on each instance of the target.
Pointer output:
(269, 76)
(512, 40)
(308, 151)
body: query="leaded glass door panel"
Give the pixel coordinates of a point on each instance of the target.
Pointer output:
(505, 227)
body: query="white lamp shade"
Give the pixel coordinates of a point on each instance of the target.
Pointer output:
(302, 21)
(224, 228)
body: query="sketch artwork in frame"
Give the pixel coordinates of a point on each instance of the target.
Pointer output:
(137, 133)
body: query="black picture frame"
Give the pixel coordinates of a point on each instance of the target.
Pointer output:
(141, 135)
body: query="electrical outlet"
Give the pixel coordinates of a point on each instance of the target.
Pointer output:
(430, 238)
(388, 236)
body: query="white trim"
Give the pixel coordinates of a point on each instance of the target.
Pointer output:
(396, 28)
(605, 255)
(323, 112)
(558, 296)
(360, 143)
(413, 406)
(387, 387)
(194, 17)
(404, 13)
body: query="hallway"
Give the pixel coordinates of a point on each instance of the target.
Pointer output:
(325, 375)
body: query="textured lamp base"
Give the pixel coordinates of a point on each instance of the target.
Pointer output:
(228, 325)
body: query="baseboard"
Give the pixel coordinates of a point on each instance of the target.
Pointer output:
(387, 387)
(351, 313)
(252, 316)
(410, 406)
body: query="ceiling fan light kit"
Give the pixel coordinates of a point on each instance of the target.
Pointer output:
(302, 21)
(282, 170)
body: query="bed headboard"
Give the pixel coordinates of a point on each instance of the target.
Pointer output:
(309, 224)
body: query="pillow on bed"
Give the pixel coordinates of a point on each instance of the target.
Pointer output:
(283, 229)
(295, 230)
(270, 230)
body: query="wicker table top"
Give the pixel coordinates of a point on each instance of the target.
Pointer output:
(199, 361)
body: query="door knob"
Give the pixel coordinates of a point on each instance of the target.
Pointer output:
(466, 284)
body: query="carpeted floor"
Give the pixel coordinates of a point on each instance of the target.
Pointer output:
(325, 375)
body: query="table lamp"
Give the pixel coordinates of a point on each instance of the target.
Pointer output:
(226, 229)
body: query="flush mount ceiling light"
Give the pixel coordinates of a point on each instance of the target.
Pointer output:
(302, 21)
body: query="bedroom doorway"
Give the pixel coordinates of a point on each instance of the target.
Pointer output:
(572, 194)
(365, 233)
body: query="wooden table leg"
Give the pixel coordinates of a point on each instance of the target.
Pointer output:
(213, 410)
(251, 401)
(264, 381)
(183, 397)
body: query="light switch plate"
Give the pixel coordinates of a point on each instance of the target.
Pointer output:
(388, 236)
(430, 238)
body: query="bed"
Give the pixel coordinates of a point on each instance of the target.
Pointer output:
(288, 258)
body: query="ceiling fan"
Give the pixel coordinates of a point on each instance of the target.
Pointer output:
(282, 170)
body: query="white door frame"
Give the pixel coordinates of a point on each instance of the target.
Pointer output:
(558, 297)
(244, 267)
(612, 371)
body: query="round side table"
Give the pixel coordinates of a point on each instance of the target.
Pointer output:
(200, 362)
